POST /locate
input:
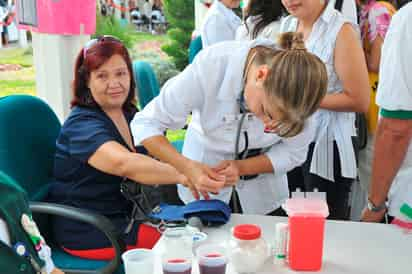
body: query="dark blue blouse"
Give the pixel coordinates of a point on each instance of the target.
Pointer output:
(80, 185)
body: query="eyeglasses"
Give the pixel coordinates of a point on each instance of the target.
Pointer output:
(104, 38)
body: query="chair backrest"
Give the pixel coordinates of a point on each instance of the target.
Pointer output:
(28, 133)
(146, 82)
(194, 48)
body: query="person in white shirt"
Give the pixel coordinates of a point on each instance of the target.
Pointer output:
(220, 23)
(262, 20)
(331, 163)
(392, 161)
(250, 104)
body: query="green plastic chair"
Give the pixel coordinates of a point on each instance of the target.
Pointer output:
(194, 48)
(28, 133)
(146, 82)
(148, 88)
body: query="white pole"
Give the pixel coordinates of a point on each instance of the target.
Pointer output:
(54, 58)
(23, 38)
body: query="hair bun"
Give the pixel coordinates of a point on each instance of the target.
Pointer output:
(292, 41)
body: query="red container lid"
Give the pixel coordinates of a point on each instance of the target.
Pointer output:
(247, 232)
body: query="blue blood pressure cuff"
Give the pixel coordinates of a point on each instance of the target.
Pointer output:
(210, 212)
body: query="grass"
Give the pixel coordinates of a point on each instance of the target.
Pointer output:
(140, 37)
(9, 87)
(18, 82)
(18, 56)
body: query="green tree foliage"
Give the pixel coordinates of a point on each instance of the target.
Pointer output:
(180, 15)
(108, 25)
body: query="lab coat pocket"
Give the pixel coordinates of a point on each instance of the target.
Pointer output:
(224, 133)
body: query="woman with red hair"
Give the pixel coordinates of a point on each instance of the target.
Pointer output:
(95, 153)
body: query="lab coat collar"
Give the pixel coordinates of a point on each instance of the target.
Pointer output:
(232, 84)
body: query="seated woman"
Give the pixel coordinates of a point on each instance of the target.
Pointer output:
(95, 153)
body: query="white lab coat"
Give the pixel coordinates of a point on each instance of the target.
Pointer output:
(220, 24)
(210, 88)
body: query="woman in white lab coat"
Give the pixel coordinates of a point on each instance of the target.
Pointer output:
(250, 101)
(220, 23)
(262, 20)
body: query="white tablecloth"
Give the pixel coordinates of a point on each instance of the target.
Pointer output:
(349, 247)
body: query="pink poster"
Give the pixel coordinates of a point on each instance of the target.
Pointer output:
(64, 17)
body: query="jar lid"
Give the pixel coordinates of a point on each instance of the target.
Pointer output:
(247, 232)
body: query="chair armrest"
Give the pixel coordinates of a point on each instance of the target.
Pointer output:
(97, 220)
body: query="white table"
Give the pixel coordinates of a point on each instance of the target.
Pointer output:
(349, 247)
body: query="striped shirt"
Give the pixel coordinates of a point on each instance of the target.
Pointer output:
(332, 126)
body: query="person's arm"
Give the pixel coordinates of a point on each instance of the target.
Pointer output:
(373, 58)
(115, 159)
(351, 69)
(393, 137)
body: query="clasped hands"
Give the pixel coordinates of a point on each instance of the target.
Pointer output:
(203, 179)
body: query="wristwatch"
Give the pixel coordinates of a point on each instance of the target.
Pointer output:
(372, 207)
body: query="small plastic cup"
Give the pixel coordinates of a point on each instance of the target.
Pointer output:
(199, 238)
(212, 259)
(139, 260)
(177, 266)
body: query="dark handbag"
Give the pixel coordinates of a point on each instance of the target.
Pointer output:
(362, 130)
(144, 199)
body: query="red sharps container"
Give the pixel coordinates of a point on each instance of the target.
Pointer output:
(306, 232)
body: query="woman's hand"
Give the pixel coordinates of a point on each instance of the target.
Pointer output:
(182, 179)
(204, 178)
(230, 170)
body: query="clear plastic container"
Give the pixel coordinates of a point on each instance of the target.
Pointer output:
(306, 231)
(177, 256)
(212, 259)
(247, 250)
